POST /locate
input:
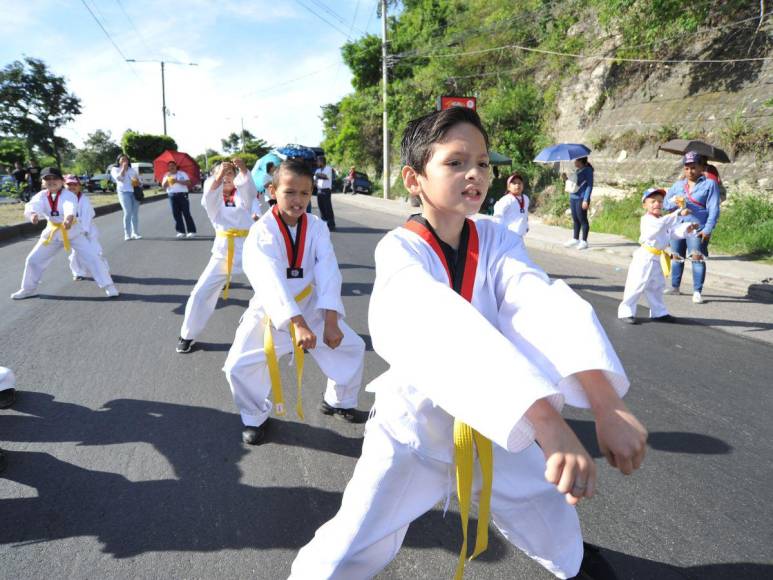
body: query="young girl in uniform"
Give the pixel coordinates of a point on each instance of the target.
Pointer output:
(86, 215)
(290, 262)
(512, 209)
(228, 199)
(59, 207)
(483, 351)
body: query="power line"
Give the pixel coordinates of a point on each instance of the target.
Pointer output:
(131, 22)
(289, 81)
(322, 18)
(110, 38)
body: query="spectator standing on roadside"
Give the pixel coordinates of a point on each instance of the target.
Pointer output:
(324, 181)
(125, 177)
(176, 183)
(19, 174)
(701, 196)
(350, 180)
(580, 187)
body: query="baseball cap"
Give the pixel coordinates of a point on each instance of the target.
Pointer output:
(50, 171)
(70, 178)
(693, 157)
(653, 191)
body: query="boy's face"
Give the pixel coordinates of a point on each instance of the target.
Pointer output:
(456, 177)
(52, 183)
(654, 204)
(74, 187)
(516, 187)
(292, 195)
(171, 167)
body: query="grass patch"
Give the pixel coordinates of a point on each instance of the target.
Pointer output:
(619, 216)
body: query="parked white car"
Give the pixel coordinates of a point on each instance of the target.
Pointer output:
(145, 171)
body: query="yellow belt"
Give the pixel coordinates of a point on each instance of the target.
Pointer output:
(465, 439)
(665, 258)
(230, 235)
(273, 363)
(58, 227)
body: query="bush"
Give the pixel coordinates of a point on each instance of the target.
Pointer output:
(599, 142)
(666, 133)
(631, 140)
(745, 226)
(619, 216)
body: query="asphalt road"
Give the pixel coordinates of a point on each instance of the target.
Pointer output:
(125, 459)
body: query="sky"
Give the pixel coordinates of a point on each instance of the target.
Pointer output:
(269, 64)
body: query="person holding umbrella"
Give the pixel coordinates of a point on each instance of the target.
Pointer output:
(580, 187)
(701, 196)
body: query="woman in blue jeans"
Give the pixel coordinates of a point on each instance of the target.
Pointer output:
(579, 202)
(125, 178)
(701, 196)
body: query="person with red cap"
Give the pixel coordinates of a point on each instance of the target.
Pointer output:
(512, 209)
(86, 215)
(59, 207)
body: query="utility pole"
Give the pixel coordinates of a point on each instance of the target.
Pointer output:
(163, 84)
(384, 77)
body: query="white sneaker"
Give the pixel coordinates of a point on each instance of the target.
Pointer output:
(190, 235)
(180, 236)
(136, 237)
(21, 294)
(127, 238)
(111, 291)
(697, 298)
(671, 291)
(582, 245)
(570, 243)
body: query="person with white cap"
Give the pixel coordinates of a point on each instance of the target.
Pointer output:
(651, 261)
(86, 215)
(512, 209)
(702, 197)
(59, 207)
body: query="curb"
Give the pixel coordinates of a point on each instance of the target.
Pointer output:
(761, 290)
(26, 228)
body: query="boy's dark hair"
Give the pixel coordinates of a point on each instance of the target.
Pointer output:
(422, 133)
(295, 166)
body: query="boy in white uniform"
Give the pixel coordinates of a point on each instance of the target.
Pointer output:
(228, 200)
(651, 261)
(290, 262)
(86, 215)
(512, 209)
(491, 365)
(59, 207)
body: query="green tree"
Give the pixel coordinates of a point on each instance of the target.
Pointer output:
(257, 147)
(97, 153)
(34, 104)
(363, 57)
(146, 147)
(12, 149)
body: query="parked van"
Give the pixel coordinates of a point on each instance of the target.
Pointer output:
(145, 171)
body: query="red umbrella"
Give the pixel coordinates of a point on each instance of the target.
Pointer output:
(184, 162)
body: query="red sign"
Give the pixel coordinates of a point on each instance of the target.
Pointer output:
(446, 102)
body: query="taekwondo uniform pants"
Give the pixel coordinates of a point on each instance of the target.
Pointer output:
(203, 299)
(77, 267)
(393, 485)
(40, 257)
(247, 370)
(645, 276)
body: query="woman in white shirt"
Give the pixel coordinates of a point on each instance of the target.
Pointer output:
(176, 183)
(126, 178)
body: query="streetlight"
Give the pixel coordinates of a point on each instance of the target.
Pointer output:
(163, 87)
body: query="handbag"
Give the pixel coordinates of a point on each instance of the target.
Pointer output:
(139, 193)
(571, 186)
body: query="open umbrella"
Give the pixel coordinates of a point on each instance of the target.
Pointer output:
(184, 162)
(259, 171)
(562, 152)
(682, 146)
(498, 159)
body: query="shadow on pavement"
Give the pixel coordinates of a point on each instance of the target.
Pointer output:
(356, 288)
(151, 281)
(669, 441)
(360, 230)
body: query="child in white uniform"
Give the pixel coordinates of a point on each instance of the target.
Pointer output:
(512, 209)
(59, 207)
(481, 345)
(86, 215)
(651, 261)
(228, 200)
(290, 262)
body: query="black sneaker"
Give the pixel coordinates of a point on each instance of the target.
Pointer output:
(348, 415)
(254, 435)
(594, 566)
(184, 345)
(7, 397)
(628, 320)
(664, 318)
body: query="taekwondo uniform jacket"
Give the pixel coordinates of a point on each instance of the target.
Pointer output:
(509, 212)
(224, 217)
(485, 362)
(266, 264)
(66, 204)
